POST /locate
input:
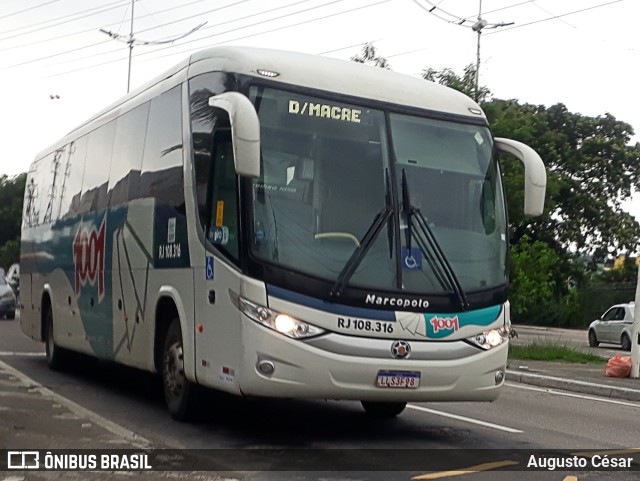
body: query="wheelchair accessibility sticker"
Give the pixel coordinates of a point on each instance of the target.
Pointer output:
(209, 269)
(411, 259)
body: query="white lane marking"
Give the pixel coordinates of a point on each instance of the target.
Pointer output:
(569, 394)
(16, 353)
(135, 439)
(465, 419)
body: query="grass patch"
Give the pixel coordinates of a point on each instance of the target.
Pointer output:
(552, 352)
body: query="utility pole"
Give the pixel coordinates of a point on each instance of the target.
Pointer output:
(131, 40)
(477, 27)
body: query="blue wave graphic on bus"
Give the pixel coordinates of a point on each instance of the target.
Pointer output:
(427, 325)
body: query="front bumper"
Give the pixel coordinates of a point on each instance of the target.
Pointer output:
(302, 370)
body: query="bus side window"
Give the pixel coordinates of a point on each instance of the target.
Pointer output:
(162, 173)
(73, 169)
(97, 167)
(126, 161)
(222, 225)
(204, 120)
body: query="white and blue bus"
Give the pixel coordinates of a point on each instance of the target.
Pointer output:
(269, 223)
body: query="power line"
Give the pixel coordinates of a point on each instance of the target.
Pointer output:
(478, 26)
(348, 47)
(557, 16)
(106, 41)
(266, 31)
(132, 41)
(503, 8)
(27, 62)
(118, 4)
(551, 13)
(223, 42)
(206, 28)
(28, 9)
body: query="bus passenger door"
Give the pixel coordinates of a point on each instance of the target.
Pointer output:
(218, 347)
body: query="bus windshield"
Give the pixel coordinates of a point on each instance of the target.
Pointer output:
(387, 202)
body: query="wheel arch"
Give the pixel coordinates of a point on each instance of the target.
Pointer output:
(168, 307)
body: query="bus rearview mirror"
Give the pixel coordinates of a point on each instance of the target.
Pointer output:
(535, 175)
(245, 131)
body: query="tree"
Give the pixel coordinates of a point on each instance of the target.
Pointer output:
(591, 170)
(465, 84)
(532, 280)
(11, 195)
(10, 253)
(369, 55)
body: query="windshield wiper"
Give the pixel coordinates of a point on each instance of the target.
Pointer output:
(442, 267)
(369, 238)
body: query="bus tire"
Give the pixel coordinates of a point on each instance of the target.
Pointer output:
(57, 357)
(181, 395)
(383, 409)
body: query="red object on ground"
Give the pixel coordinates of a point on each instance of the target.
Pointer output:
(618, 366)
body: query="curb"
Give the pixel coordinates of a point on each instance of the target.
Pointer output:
(575, 386)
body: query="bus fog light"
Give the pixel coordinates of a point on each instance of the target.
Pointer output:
(499, 377)
(266, 367)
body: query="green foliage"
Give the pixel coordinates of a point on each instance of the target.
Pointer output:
(539, 291)
(11, 195)
(10, 253)
(597, 297)
(591, 170)
(465, 83)
(532, 280)
(369, 55)
(552, 352)
(627, 272)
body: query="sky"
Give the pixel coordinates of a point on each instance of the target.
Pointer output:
(57, 68)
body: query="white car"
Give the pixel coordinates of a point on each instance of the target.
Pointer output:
(614, 326)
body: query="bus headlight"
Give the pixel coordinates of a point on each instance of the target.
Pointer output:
(490, 339)
(282, 323)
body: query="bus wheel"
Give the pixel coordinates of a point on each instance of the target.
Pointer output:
(56, 356)
(383, 409)
(180, 394)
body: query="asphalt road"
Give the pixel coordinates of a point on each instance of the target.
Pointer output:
(523, 418)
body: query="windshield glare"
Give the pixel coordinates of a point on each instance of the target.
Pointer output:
(325, 178)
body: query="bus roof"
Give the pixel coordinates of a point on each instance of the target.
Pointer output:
(313, 71)
(338, 76)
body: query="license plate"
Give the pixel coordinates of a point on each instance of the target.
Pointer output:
(398, 379)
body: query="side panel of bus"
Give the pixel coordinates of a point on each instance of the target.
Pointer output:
(105, 234)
